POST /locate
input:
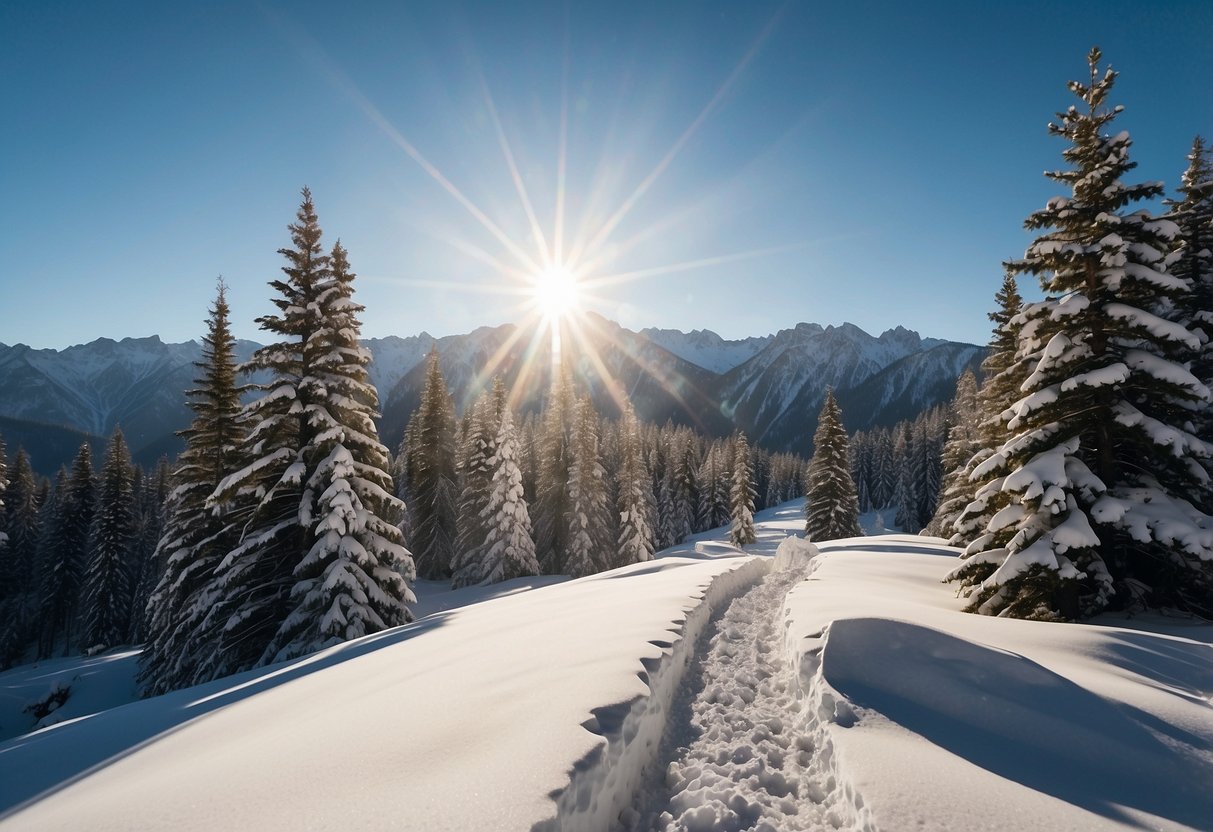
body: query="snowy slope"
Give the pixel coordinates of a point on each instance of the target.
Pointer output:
(705, 348)
(936, 719)
(684, 694)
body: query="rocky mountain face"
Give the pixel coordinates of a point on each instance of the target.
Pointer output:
(770, 386)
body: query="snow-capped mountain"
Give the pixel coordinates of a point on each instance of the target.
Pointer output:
(705, 348)
(771, 385)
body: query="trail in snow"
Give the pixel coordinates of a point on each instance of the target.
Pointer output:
(741, 757)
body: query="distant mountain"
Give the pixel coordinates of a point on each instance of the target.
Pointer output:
(705, 348)
(771, 386)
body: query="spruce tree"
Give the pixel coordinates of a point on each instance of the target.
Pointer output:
(831, 508)
(635, 495)
(963, 442)
(3, 490)
(18, 558)
(352, 576)
(432, 476)
(63, 568)
(508, 551)
(194, 540)
(586, 519)
(107, 583)
(1004, 373)
(741, 495)
(478, 448)
(555, 464)
(1191, 258)
(1099, 463)
(146, 567)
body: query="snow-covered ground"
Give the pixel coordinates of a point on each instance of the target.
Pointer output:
(705, 690)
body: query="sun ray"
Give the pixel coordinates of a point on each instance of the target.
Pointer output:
(314, 53)
(515, 176)
(628, 204)
(617, 278)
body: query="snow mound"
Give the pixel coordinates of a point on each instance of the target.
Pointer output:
(794, 554)
(933, 717)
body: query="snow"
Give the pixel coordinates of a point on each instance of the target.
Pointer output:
(673, 692)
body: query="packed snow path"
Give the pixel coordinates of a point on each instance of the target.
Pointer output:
(742, 757)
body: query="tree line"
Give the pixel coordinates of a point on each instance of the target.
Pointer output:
(285, 526)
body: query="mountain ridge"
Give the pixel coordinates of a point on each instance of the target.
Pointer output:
(771, 386)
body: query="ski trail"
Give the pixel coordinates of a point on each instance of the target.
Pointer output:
(743, 752)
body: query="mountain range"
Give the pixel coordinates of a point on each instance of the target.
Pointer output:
(770, 386)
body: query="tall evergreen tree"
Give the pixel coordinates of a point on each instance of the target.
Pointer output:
(831, 508)
(1004, 374)
(107, 583)
(432, 476)
(1099, 463)
(352, 577)
(586, 519)
(63, 568)
(3, 490)
(194, 540)
(146, 568)
(963, 442)
(508, 550)
(555, 465)
(1191, 259)
(741, 495)
(635, 495)
(18, 557)
(478, 449)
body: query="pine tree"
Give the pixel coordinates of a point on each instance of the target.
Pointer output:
(962, 444)
(18, 557)
(3, 489)
(635, 498)
(146, 568)
(586, 520)
(194, 540)
(1099, 463)
(741, 495)
(478, 448)
(508, 550)
(107, 583)
(1004, 374)
(63, 568)
(832, 509)
(1191, 259)
(432, 476)
(554, 460)
(353, 579)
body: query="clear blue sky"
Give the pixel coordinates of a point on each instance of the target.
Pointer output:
(874, 161)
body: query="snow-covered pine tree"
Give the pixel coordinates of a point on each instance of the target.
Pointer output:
(63, 568)
(963, 442)
(18, 558)
(1099, 463)
(741, 494)
(681, 485)
(635, 495)
(3, 489)
(904, 495)
(107, 587)
(194, 540)
(146, 568)
(1191, 258)
(508, 550)
(1004, 373)
(476, 472)
(352, 578)
(555, 463)
(831, 508)
(433, 479)
(589, 543)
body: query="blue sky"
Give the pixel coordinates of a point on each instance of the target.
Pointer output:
(825, 162)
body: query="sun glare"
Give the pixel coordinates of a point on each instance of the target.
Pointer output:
(556, 293)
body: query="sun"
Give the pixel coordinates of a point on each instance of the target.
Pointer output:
(557, 293)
